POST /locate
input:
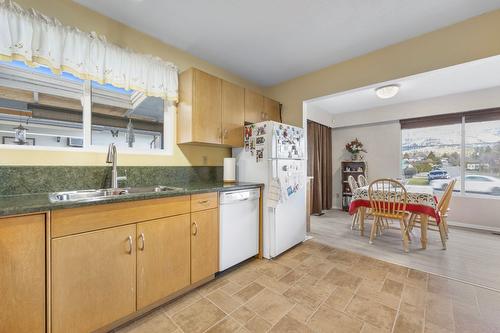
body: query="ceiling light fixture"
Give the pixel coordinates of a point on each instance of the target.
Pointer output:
(388, 91)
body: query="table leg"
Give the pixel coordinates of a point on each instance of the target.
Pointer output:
(361, 220)
(424, 221)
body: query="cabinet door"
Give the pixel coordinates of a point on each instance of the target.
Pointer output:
(163, 255)
(93, 279)
(254, 107)
(22, 274)
(233, 114)
(207, 125)
(204, 244)
(271, 110)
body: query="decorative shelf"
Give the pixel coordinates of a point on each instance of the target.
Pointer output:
(353, 165)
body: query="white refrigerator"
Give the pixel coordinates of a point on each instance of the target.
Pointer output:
(273, 154)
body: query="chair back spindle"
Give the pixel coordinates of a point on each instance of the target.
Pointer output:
(362, 181)
(444, 203)
(388, 198)
(352, 183)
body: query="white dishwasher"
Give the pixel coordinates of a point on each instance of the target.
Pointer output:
(239, 226)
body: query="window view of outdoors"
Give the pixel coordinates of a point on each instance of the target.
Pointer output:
(127, 118)
(482, 157)
(38, 107)
(432, 157)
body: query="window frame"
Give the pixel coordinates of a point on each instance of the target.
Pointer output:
(19, 78)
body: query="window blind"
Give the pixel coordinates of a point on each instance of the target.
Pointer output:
(451, 118)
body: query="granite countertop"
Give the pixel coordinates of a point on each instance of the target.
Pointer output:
(39, 202)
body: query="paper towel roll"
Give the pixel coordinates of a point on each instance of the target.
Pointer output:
(229, 170)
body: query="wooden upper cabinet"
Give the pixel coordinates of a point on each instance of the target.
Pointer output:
(271, 110)
(22, 274)
(93, 279)
(200, 108)
(163, 256)
(254, 107)
(233, 114)
(204, 244)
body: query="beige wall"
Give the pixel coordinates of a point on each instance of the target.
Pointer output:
(383, 143)
(469, 40)
(70, 13)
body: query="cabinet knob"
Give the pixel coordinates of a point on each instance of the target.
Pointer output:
(203, 202)
(195, 230)
(130, 244)
(143, 241)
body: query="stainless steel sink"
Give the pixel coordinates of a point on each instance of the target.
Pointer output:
(94, 195)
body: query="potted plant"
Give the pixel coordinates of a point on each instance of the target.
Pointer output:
(355, 147)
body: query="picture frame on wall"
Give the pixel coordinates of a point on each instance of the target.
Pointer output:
(9, 140)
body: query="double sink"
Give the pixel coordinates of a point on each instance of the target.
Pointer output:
(100, 194)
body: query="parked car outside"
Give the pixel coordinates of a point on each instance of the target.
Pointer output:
(473, 184)
(437, 174)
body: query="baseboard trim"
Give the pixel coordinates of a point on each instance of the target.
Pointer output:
(473, 226)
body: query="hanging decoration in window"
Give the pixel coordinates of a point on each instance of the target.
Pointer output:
(36, 39)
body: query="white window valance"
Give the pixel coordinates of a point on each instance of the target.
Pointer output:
(36, 39)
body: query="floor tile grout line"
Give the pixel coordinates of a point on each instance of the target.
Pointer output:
(398, 310)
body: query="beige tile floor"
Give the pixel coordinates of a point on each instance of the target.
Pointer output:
(317, 288)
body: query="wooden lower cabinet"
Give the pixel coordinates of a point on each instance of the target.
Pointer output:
(204, 244)
(163, 255)
(93, 279)
(22, 274)
(100, 277)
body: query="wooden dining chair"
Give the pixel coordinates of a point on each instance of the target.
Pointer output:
(388, 200)
(442, 207)
(353, 185)
(362, 181)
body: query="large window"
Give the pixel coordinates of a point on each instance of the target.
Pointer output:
(40, 108)
(465, 147)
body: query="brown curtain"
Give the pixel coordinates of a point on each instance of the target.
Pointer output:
(319, 165)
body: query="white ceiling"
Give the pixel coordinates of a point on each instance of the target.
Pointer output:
(470, 76)
(270, 41)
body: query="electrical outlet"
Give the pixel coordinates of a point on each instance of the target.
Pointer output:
(205, 160)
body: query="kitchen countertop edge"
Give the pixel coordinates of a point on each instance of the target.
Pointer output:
(39, 202)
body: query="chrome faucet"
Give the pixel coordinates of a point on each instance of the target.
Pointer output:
(111, 158)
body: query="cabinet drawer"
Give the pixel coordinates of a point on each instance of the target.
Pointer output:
(204, 201)
(83, 219)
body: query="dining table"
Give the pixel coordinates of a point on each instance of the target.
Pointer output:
(421, 201)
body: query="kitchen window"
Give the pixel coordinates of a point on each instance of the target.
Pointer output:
(43, 109)
(464, 146)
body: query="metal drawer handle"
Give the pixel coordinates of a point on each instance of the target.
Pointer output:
(130, 244)
(143, 241)
(195, 231)
(202, 202)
